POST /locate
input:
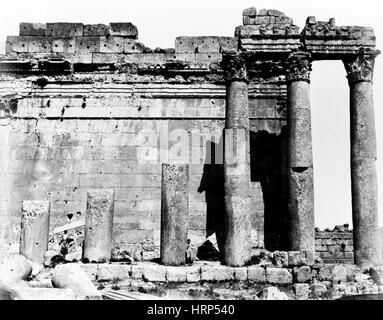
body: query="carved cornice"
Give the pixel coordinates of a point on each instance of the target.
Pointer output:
(361, 67)
(234, 67)
(298, 66)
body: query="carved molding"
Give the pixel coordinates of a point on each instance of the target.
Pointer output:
(298, 66)
(361, 67)
(234, 67)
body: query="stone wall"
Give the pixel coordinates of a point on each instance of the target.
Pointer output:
(74, 101)
(335, 246)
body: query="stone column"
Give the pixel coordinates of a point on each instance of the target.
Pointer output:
(363, 157)
(98, 238)
(174, 213)
(237, 247)
(301, 233)
(35, 230)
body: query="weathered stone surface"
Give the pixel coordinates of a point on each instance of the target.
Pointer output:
(64, 29)
(193, 274)
(302, 274)
(280, 258)
(319, 289)
(279, 276)
(302, 291)
(240, 273)
(99, 226)
(174, 213)
(35, 230)
(96, 30)
(363, 157)
(125, 29)
(154, 272)
(72, 276)
(376, 274)
(216, 272)
(256, 274)
(113, 272)
(14, 267)
(300, 258)
(32, 29)
(251, 12)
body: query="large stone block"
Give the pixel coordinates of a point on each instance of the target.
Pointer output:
(279, 276)
(91, 30)
(40, 44)
(99, 226)
(176, 274)
(256, 274)
(154, 273)
(64, 45)
(125, 29)
(216, 272)
(32, 29)
(64, 29)
(14, 267)
(193, 274)
(88, 44)
(17, 44)
(113, 272)
(35, 230)
(240, 273)
(302, 291)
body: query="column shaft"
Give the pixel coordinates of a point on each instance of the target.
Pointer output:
(363, 157)
(35, 230)
(300, 164)
(98, 239)
(174, 213)
(237, 248)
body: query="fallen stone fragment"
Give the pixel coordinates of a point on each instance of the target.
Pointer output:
(72, 276)
(14, 267)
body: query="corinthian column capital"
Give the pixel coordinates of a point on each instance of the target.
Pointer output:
(298, 66)
(234, 67)
(361, 66)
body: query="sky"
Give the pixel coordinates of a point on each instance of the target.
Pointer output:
(159, 22)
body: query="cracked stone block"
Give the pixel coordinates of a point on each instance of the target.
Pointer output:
(279, 276)
(256, 274)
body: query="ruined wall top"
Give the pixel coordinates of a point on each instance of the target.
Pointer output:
(269, 34)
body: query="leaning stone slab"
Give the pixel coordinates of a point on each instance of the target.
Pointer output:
(14, 267)
(35, 230)
(279, 276)
(98, 239)
(72, 276)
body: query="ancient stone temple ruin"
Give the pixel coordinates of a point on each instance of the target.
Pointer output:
(151, 151)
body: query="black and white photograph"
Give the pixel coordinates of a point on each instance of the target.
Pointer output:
(219, 153)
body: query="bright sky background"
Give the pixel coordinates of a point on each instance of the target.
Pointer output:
(159, 22)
